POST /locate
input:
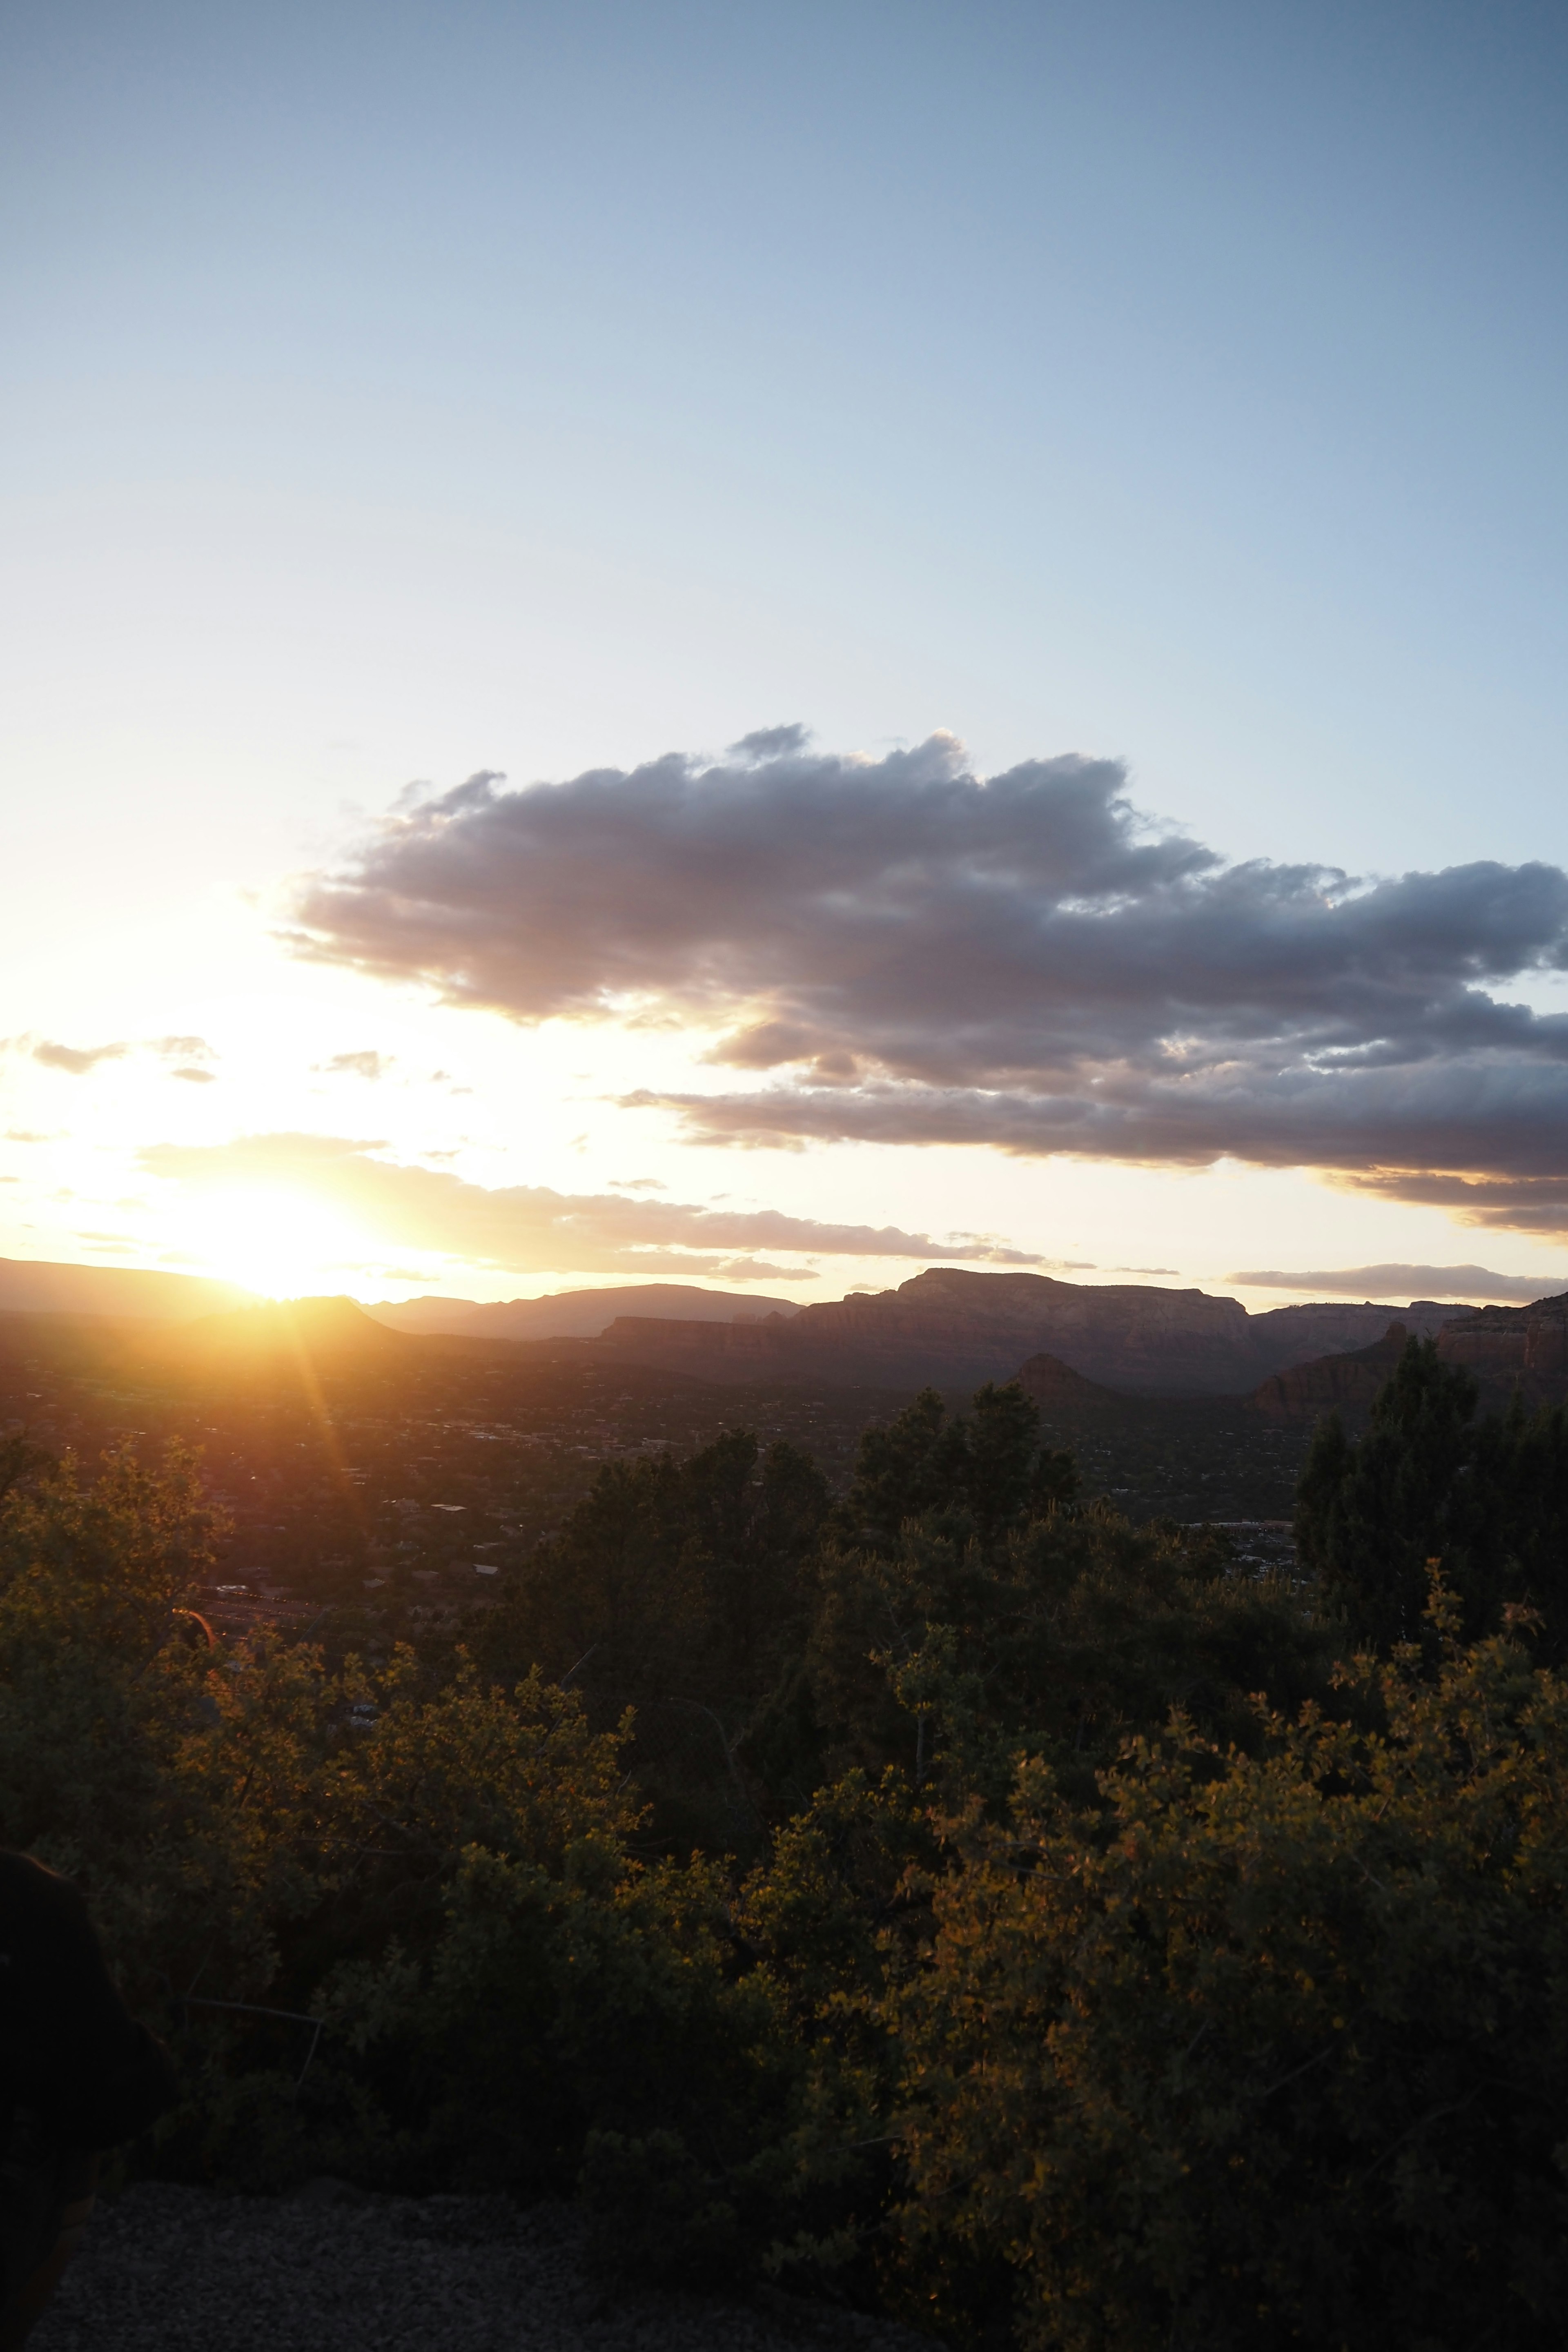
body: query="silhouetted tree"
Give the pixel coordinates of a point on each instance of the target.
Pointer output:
(978, 1476)
(1427, 1482)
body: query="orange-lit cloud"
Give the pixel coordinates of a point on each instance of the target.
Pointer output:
(532, 1228)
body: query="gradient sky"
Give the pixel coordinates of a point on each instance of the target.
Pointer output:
(392, 393)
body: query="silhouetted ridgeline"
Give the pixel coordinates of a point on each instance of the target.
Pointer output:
(952, 1327)
(577, 1313)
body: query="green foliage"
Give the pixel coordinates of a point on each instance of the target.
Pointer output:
(979, 1477)
(1265, 2051)
(942, 1657)
(1489, 1500)
(1032, 1971)
(675, 1587)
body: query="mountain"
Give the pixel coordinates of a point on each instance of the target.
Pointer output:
(1067, 1399)
(1513, 1347)
(1293, 1335)
(1345, 1384)
(575, 1314)
(955, 1329)
(303, 1331)
(36, 1286)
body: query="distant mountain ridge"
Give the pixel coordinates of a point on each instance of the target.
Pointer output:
(1345, 1384)
(954, 1328)
(574, 1314)
(1513, 1347)
(40, 1286)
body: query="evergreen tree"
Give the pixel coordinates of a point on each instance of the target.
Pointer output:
(1429, 1483)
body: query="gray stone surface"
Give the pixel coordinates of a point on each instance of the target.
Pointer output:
(166, 2269)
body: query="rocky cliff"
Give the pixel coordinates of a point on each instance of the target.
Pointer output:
(1345, 1384)
(1509, 1348)
(954, 1328)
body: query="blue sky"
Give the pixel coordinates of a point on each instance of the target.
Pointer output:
(397, 392)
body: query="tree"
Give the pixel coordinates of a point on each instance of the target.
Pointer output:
(1269, 2050)
(676, 1588)
(981, 1476)
(944, 1659)
(1427, 1482)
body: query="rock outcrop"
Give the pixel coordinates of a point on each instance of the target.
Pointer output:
(1509, 1348)
(1064, 1395)
(955, 1329)
(1298, 1335)
(1345, 1384)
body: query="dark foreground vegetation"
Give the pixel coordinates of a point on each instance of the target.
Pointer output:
(946, 1896)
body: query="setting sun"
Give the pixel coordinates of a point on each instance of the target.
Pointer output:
(273, 1242)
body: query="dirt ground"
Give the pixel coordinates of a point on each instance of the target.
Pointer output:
(166, 2269)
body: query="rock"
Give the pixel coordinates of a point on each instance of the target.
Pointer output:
(1513, 1347)
(1345, 1384)
(1063, 1394)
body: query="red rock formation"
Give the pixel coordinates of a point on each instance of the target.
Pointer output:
(1298, 1335)
(1510, 1347)
(1345, 1384)
(954, 1328)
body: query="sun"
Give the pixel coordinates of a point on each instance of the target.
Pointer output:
(279, 1243)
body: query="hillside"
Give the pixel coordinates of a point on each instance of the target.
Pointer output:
(37, 1287)
(276, 1331)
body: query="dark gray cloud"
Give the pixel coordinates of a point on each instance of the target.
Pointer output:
(529, 1226)
(770, 742)
(924, 956)
(1401, 1284)
(1525, 1204)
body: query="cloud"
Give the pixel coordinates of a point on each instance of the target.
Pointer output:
(77, 1059)
(26, 1135)
(758, 1269)
(923, 956)
(771, 743)
(182, 1049)
(1410, 1282)
(529, 1227)
(1530, 1204)
(367, 1064)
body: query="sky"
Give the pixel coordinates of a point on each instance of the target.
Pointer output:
(773, 645)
